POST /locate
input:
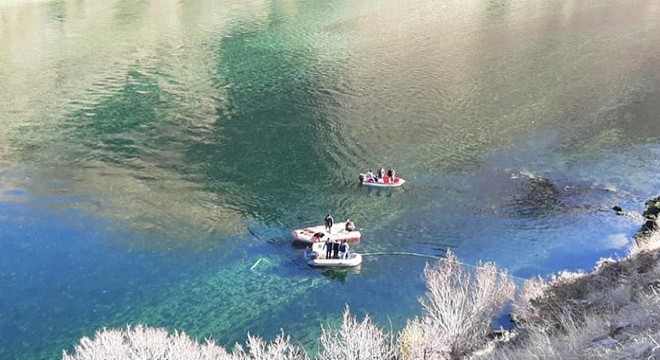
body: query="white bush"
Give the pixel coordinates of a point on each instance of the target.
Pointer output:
(355, 341)
(458, 309)
(280, 349)
(523, 307)
(144, 343)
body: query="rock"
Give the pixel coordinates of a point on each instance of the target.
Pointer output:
(650, 225)
(606, 341)
(616, 330)
(651, 216)
(652, 208)
(618, 210)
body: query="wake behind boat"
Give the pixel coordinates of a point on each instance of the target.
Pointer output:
(316, 257)
(338, 232)
(386, 181)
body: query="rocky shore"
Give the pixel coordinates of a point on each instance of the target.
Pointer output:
(610, 313)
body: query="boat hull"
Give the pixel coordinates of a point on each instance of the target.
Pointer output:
(354, 260)
(316, 257)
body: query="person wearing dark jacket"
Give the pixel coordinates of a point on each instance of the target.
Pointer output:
(328, 223)
(343, 249)
(328, 248)
(391, 175)
(335, 250)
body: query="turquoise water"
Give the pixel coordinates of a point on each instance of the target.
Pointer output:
(155, 156)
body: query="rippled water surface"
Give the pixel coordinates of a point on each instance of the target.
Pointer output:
(155, 155)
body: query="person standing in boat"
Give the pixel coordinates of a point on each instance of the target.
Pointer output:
(343, 248)
(380, 174)
(350, 226)
(328, 248)
(335, 250)
(329, 221)
(391, 174)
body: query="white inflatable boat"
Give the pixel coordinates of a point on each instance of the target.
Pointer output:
(384, 182)
(337, 232)
(316, 257)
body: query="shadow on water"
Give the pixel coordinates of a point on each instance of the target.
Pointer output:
(382, 192)
(338, 274)
(267, 153)
(123, 125)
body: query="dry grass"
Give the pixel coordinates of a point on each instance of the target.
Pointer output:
(630, 332)
(612, 313)
(574, 341)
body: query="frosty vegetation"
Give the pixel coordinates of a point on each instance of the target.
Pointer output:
(144, 343)
(458, 308)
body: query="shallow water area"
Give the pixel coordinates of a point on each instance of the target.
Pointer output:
(155, 156)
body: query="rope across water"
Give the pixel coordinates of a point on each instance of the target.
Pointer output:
(405, 253)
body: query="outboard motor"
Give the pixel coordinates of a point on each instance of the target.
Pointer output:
(361, 177)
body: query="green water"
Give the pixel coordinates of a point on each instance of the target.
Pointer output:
(152, 152)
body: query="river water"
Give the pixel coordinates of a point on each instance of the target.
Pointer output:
(155, 155)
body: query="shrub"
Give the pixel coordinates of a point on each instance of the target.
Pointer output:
(458, 309)
(355, 341)
(523, 307)
(280, 349)
(144, 343)
(575, 340)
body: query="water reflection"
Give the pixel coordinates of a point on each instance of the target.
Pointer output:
(271, 128)
(217, 127)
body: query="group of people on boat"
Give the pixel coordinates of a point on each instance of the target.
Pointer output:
(336, 249)
(380, 176)
(328, 243)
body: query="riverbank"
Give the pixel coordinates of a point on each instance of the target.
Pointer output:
(611, 313)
